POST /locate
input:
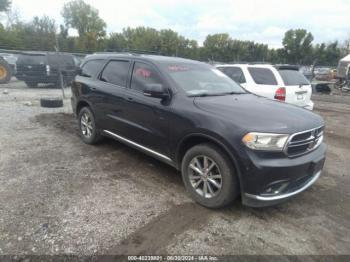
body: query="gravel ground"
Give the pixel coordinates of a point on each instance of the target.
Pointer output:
(60, 196)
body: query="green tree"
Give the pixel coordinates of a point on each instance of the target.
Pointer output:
(85, 18)
(142, 38)
(116, 42)
(169, 42)
(217, 47)
(327, 54)
(39, 34)
(5, 5)
(297, 45)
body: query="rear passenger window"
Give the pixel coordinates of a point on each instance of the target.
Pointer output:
(116, 73)
(91, 68)
(144, 75)
(262, 76)
(235, 73)
(59, 60)
(293, 77)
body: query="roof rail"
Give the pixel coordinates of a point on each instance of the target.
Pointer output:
(247, 63)
(132, 51)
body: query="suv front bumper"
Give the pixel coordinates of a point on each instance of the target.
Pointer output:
(271, 181)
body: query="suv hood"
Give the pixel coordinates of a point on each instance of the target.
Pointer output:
(254, 113)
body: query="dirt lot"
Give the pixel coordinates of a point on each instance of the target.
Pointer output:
(58, 195)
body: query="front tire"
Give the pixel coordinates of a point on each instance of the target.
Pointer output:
(209, 176)
(87, 127)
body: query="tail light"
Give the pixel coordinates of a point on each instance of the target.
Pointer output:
(47, 69)
(280, 94)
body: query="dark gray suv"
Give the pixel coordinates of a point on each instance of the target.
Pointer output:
(225, 141)
(44, 67)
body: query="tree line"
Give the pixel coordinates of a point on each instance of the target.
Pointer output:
(43, 33)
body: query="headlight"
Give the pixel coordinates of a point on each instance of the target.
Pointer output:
(265, 141)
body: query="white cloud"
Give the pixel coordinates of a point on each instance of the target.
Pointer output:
(263, 21)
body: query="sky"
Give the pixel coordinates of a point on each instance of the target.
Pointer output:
(263, 21)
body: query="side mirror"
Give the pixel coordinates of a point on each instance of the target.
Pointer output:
(156, 90)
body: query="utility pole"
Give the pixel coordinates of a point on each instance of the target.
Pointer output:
(60, 76)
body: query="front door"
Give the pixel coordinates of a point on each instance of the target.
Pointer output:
(147, 117)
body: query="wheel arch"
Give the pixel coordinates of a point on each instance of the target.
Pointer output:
(81, 104)
(198, 138)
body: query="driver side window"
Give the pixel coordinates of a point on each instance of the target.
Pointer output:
(143, 75)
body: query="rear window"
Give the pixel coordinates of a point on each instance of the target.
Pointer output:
(61, 60)
(32, 59)
(116, 73)
(293, 78)
(262, 76)
(91, 68)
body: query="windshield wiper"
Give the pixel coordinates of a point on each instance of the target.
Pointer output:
(232, 93)
(216, 94)
(203, 94)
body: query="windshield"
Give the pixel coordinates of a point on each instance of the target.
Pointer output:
(32, 59)
(293, 78)
(201, 79)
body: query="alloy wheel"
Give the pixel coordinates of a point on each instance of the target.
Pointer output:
(86, 125)
(205, 176)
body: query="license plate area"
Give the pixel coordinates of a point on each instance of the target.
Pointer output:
(300, 95)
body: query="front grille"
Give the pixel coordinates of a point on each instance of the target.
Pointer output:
(303, 142)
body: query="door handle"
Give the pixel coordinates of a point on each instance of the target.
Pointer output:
(130, 99)
(93, 88)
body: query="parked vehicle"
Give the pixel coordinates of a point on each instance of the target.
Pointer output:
(323, 73)
(284, 82)
(44, 67)
(343, 83)
(343, 67)
(307, 72)
(226, 142)
(7, 67)
(78, 59)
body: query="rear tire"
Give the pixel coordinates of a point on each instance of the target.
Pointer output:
(31, 84)
(218, 173)
(87, 127)
(5, 72)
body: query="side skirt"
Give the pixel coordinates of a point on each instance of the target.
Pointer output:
(142, 148)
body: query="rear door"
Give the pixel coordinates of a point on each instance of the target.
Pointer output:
(112, 84)
(86, 87)
(298, 88)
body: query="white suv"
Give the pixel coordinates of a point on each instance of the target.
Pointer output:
(283, 83)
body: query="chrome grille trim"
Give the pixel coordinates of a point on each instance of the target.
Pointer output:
(314, 141)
